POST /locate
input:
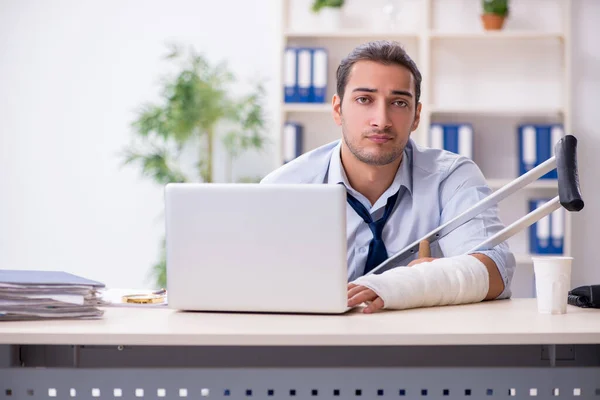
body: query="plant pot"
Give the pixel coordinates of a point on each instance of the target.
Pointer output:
(492, 22)
(330, 18)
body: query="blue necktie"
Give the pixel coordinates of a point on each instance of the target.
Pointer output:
(377, 250)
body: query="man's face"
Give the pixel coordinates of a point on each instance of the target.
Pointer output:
(378, 112)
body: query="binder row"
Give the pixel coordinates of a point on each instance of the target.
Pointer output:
(536, 145)
(547, 235)
(305, 74)
(457, 138)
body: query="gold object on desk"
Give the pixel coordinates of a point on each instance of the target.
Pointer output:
(150, 298)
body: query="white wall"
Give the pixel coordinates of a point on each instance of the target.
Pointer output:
(586, 126)
(72, 73)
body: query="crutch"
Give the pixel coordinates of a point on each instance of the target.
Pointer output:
(569, 197)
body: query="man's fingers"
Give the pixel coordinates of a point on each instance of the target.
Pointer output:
(361, 294)
(352, 285)
(375, 305)
(361, 297)
(356, 289)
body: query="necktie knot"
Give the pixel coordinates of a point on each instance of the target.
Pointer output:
(377, 227)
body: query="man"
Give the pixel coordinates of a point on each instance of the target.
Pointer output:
(398, 191)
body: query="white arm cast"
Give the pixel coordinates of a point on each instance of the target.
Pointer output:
(451, 280)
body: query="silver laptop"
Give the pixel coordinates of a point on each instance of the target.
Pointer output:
(256, 248)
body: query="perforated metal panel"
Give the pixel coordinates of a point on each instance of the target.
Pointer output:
(301, 383)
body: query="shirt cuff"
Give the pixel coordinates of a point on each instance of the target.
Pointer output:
(505, 262)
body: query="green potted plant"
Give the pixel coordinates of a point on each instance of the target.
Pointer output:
(494, 14)
(318, 5)
(195, 109)
(330, 13)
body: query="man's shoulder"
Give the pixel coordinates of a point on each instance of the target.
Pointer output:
(310, 167)
(430, 161)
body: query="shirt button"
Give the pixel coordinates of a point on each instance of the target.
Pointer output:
(363, 250)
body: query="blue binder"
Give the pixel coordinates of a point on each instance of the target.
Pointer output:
(319, 75)
(290, 75)
(456, 138)
(536, 145)
(304, 65)
(293, 134)
(546, 236)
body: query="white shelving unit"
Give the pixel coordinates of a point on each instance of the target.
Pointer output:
(347, 33)
(497, 35)
(492, 80)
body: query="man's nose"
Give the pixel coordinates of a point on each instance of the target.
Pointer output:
(381, 118)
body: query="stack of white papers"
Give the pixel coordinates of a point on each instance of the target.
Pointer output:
(26, 295)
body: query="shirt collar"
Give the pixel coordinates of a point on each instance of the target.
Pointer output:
(403, 178)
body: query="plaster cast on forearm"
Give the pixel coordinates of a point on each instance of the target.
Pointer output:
(444, 281)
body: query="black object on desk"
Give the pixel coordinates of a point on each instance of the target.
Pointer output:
(585, 296)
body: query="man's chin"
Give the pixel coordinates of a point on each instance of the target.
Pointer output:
(378, 159)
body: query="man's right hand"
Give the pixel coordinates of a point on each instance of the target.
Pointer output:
(424, 254)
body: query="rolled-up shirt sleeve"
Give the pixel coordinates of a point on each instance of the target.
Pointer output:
(463, 187)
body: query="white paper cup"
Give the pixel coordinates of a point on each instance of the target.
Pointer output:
(552, 283)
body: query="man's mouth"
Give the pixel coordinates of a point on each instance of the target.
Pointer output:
(379, 138)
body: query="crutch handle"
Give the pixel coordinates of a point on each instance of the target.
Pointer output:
(568, 178)
(424, 250)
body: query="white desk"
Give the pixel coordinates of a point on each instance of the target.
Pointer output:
(513, 321)
(485, 350)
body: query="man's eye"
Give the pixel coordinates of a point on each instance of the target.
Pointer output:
(362, 100)
(401, 103)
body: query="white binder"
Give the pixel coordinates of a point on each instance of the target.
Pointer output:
(465, 141)
(290, 74)
(436, 137)
(292, 141)
(319, 75)
(304, 74)
(558, 228)
(529, 143)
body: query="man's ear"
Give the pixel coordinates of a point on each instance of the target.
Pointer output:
(415, 124)
(336, 104)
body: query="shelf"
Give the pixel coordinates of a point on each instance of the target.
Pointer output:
(491, 110)
(503, 34)
(547, 184)
(524, 258)
(463, 110)
(359, 33)
(341, 34)
(307, 107)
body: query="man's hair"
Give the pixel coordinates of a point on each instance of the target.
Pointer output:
(381, 51)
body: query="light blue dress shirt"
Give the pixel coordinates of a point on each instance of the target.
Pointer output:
(434, 187)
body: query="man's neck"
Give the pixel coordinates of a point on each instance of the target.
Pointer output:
(369, 180)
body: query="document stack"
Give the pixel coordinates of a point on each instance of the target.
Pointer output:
(30, 295)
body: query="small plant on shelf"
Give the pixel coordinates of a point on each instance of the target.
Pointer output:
(494, 14)
(329, 14)
(318, 5)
